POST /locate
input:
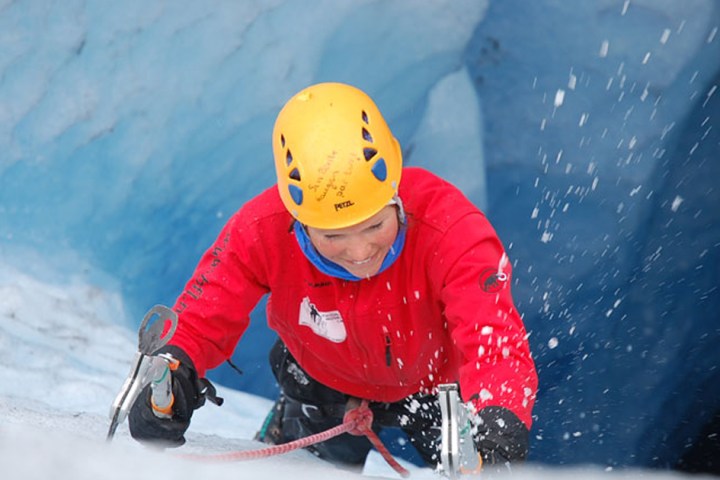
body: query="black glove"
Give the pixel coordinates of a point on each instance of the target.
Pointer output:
(501, 437)
(189, 394)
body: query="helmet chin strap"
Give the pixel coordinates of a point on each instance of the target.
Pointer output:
(331, 268)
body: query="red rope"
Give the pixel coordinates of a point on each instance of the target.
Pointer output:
(362, 418)
(357, 421)
(274, 449)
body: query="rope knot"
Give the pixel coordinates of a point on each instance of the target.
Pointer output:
(360, 416)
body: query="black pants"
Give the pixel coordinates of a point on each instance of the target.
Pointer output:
(309, 407)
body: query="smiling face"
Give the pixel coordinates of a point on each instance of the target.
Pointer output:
(361, 248)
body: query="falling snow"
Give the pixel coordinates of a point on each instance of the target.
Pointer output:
(604, 47)
(677, 201)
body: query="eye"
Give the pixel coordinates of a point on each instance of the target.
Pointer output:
(376, 226)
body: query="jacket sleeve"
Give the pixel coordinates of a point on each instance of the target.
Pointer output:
(475, 274)
(215, 305)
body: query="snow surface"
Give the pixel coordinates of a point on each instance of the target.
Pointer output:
(62, 360)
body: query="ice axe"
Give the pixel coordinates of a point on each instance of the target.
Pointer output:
(458, 455)
(156, 329)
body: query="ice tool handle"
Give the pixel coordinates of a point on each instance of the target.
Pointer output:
(458, 455)
(156, 329)
(153, 335)
(162, 398)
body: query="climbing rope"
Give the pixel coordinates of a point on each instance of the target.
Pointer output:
(357, 421)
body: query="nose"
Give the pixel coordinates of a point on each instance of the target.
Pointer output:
(358, 249)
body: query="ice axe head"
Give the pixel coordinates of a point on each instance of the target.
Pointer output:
(156, 329)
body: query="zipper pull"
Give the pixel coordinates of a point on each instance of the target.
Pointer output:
(388, 353)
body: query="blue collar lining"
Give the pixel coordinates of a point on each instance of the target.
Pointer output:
(333, 269)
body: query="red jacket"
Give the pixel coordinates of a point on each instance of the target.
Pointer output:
(441, 313)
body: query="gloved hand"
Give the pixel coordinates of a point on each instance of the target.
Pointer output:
(501, 436)
(189, 394)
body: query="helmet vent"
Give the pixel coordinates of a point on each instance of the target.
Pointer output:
(295, 174)
(369, 153)
(296, 194)
(282, 140)
(366, 135)
(365, 118)
(380, 169)
(288, 158)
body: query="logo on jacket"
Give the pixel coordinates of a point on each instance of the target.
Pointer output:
(328, 325)
(492, 280)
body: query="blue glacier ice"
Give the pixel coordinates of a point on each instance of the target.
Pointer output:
(587, 131)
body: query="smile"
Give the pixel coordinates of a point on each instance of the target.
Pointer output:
(362, 262)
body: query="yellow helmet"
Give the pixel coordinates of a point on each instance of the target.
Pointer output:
(336, 160)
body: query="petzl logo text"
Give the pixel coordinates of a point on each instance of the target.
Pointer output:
(346, 204)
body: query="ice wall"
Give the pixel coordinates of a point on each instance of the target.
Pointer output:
(602, 157)
(131, 132)
(588, 131)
